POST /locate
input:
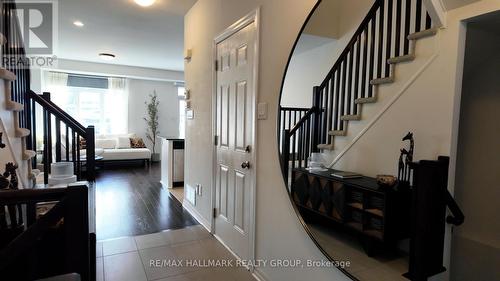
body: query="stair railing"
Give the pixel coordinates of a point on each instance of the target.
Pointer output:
(382, 34)
(289, 116)
(69, 136)
(296, 143)
(57, 238)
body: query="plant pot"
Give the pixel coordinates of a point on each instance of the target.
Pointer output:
(155, 157)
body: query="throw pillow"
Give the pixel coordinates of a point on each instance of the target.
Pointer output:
(123, 142)
(83, 143)
(137, 143)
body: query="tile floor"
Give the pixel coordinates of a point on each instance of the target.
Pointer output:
(144, 258)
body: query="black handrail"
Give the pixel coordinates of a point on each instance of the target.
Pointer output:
(56, 111)
(357, 33)
(71, 204)
(78, 132)
(457, 216)
(302, 120)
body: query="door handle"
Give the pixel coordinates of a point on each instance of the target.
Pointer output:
(245, 165)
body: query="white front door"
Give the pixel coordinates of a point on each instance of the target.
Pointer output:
(234, 171)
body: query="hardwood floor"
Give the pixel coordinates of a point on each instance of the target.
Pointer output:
(130, 201)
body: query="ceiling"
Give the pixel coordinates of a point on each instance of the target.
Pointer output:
(150, 37)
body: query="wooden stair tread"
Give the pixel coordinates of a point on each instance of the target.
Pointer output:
(325, 146)
(22, 132)
(7, 75)
(14, 106)
(380, 81)
(28, 154)
(353, 117)
(339, 133)
(424, 33)
(401, 59)
(366, 100)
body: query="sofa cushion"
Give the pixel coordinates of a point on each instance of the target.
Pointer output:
(126, 154)
(105, 143)
(123, 142)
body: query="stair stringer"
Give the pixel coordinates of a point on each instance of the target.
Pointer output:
(405, 74)
(14, 144)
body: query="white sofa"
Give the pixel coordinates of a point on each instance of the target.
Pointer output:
(117, 148)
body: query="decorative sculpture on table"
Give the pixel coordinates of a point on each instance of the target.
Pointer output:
(405, 158)
(10, 171)
(2, 145)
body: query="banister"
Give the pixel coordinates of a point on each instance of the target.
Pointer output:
(284, 108)
(457, 216)
(23, 196)
(361, 28)
(55, 110)
(302, 120)
(28, 238)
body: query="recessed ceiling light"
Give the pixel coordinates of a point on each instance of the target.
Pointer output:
(145, 3)
(106, 56)
(78, 23)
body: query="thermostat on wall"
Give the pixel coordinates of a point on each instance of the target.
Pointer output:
(189, 114)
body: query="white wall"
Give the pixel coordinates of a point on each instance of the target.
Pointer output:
(139, 91)
(314, 56)
(312, 60)
(279, 233)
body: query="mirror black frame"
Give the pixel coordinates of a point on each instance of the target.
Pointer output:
(299, 216)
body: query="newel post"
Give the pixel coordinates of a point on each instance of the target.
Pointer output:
(90, 152)
(316, 103)
(285, 154)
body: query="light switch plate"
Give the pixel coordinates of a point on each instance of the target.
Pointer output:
(262, 111)
(191, 194)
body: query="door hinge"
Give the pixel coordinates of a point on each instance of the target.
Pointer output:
(215, 212)
(216, 140)
(216, 65)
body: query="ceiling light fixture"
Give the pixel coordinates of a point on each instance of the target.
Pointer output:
(78, 23)
(106, 56)
(145, 3)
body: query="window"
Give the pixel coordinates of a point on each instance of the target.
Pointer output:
(101, 101)
(181, 93)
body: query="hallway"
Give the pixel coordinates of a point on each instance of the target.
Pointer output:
(130, 201)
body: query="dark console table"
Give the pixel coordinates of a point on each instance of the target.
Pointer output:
(377, 214)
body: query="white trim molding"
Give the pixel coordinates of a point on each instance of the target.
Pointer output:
(437, 12)
(252, 17)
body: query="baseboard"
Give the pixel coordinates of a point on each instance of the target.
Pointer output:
(205, 223)
(259, 275)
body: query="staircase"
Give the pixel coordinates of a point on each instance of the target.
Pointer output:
(43, 231)
(386, 37)
(56, 136)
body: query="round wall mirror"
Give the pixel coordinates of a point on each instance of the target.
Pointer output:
(347, 49)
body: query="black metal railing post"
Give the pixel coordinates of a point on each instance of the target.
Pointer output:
(90, 152)
(316, 129)
(285, 154)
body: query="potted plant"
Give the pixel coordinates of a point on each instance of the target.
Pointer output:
(152, 123)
